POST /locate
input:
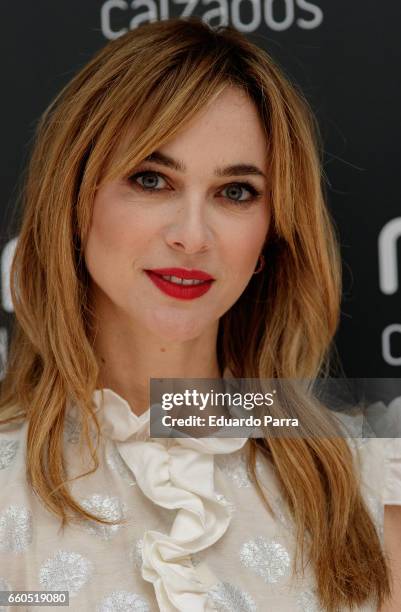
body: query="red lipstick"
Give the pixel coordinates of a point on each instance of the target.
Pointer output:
(174, 287)
(182, 273)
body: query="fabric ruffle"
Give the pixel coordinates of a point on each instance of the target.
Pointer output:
(177, 474)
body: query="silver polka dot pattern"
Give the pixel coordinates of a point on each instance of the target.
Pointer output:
(228, 598)
(267, 558)
(116, 463)
(4, 586)
(72, 429)
(223, 500)
(123, 601)
(15, 529)
(195, 559)
(65, 571)
(234, 467)
(105, 507)
(136, 553)
(8, 452)
(281, 513)
(308, 602)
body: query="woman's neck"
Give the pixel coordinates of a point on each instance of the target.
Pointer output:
(128, 360)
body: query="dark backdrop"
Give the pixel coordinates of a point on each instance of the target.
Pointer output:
(344, 55)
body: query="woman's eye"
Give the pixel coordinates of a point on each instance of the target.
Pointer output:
(148, 180)
(235, 190)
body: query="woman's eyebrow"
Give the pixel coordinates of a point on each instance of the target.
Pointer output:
(233, 170)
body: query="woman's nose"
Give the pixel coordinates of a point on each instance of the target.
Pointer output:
(188, 230)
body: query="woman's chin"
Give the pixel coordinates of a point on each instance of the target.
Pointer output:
(176, 329)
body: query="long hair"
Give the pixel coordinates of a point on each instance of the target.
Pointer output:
(156, 79)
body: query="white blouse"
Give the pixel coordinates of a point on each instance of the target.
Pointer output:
(196, 537)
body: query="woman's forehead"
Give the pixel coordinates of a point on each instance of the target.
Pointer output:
(229, 127)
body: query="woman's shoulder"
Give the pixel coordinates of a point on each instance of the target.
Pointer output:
(386, 420)
(379, 455)
(391, 450)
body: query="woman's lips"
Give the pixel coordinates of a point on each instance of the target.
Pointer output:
(183, 292)
(182, 273)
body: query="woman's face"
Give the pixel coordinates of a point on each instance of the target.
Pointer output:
(192, 207)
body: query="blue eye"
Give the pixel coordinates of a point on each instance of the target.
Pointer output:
(236, 188)
(150, 183)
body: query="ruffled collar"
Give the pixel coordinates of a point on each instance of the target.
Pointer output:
(117, 420)
(120, 424)
(177, 474)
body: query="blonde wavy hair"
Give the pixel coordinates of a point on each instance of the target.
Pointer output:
(156, 79)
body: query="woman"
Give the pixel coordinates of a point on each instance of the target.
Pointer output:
(178, 152)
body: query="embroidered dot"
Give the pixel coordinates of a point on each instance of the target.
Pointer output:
(117, 463)
(234, 467)
(195, 559)
(123, 601)
(308, 602)
(136, 553)
(8, 452)
(283, 517)
(72, 429)
(224, 501)
(65, 571)
(267, 558)
(4, 586)
(105, 507)
(228, 598)
(15, 529)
